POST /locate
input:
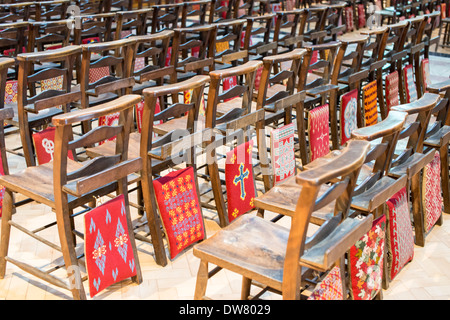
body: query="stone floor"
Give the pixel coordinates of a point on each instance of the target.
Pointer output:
(426, 277)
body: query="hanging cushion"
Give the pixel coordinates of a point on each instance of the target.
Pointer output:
(44, 145)
(282, 152)
(11, 91)
(361, 16)
(178, 203)
(400, 235)
(330, 288)
(108, 250)
(426, 74)
(318, 131)
(239, 180)
(96, 74)
(349, 18)
(431, 190)
(370, 103)
(366, 262)
(227, 84)
(410, 86)
(391, 89)
(2, 188)
(109, 120)
(139, 112)
(349, 108)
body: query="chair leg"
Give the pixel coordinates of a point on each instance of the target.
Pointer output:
(417, 210)
(246, 285)
(202, 280)
(6, 230)
(445, 177)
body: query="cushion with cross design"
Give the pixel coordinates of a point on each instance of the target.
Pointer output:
(44, 145)
(239, 180)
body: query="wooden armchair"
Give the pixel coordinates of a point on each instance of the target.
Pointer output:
(94, 28)
(219, 12)
(166, 16)
(410, 158)
(195, 13)
(429, 36)
(277, 258)
(16, 12)
(45, 35)
(135, 22)
(228, 51)
(66, 184)
(259, 41)
(50, 10)
(315, 32)
(43, 93)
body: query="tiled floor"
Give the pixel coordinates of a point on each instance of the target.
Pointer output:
(426, 277)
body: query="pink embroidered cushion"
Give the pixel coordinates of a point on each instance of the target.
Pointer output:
(318, 131)
(391, 89)
(108, 250)
(330, 288)
(348, 121)
(400, 235)
(431, 190)
(282, 152)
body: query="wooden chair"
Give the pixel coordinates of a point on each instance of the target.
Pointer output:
(289, 29)
(16, 12)
(107, 77)
(410, 158)
(438, 135)
(259, 41)
(186, 40)
(291, 253)
(228, 51)
(334, 15)
(166, 16)
(321, 86)
(246, 8)
(65, 185)
(135, 22)
(41, 92)
(430, 38)
(194, 13)
(50, 10)
(94, 28)
(219, 12)
(315, 31)
(140, 144)
(44, 35)
(150, 65)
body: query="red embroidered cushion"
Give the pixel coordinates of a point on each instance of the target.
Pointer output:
(400, 236)
(239, 180)
(370, 103)
(349, 108)
(330, 288)
(431, 190)
(282, 152)
(366, 262)
(426, 73)
(2, 188)
(96, 74)
(391, 89)
(361, 16)
(44, 145)
(108, 251)
(181, 214)
(410, 86)
(318, 131)
(349, 18)
(229, 83)
(109, 120)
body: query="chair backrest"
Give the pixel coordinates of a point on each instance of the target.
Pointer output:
(220, 11)
(55, 89)
(94, 28)
(289, 29)
(228, 42)
(242, 89)
(259, 34)
(182, 57)
(48, 34)
(420, 111)
(344, 168)
(151, 55)
(13, 38)
(247, 8)
(51, 10)
(15, 12)
(315, 25)
(166, 16)
(194, 13)
(135, 22)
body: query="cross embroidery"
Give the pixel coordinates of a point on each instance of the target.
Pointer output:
(240, 179)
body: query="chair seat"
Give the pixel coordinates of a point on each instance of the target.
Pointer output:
(177, 123)
(410, 167)
(283, 198)
(232, 246)
(36, 182)
(438, 139)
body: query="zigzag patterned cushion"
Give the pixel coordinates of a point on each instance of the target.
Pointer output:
(108, 251)
(366, 262)
(239, 180)
(330, 288)
(400, 235)
(181, 214)
(370, 103)
(431, 191)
